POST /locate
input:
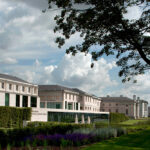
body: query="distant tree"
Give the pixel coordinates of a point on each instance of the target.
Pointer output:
(102, 22)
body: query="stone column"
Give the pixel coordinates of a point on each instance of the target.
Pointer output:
(76, 119)
(21, 100)
(29, 101)
(78, 106)
(83, 121)
(89, 120)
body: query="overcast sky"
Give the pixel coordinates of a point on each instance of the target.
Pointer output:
(28, 50)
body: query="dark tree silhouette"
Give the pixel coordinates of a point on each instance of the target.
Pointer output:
(102, 22)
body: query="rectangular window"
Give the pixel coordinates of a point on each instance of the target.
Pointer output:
(116, 110)
(16, 87)
(126, 111)
(10, 86)
(76, 106)
(29, 89)
(33, 102)
(42, 104)
(23, 88)
(69, 106)
(6, 99)
(65, 104)
(17, 101)
(2, 85)
(25, 101)
(54, 105)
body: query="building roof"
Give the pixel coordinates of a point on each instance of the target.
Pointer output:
(9, 77)
(53, 88)
(62, 88)
(117, 99)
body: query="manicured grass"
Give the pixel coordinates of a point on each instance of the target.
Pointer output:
(132, 122)
(134, 141)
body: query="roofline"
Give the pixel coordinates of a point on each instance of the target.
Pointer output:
(18, 82)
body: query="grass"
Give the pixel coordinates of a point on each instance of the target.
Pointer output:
(132, 122)
(134, 141)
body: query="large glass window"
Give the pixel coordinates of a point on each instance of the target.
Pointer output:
(54, 105)
(17, 101)
(25, 101)
(33, 102)
(70, 106)
(6, 99)
(42, 104)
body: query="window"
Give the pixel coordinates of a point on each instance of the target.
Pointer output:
(116, 104)
(76, 106)
(23, 88)
(10, 86)
(29, 89)
(109, 110)
(17, 101)
(6, 99)
(2, 85)
(33, 102)
(66, 95)
(126, 111)
(65, 104)
(42, 104)
(35, 90)
(109, 104)
(54, 105)
(16, 87)
(25, 101)
(103, 104)
(116, 110)
(126, 105)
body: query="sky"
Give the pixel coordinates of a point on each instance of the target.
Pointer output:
(28, 50)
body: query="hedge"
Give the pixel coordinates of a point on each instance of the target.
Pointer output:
(17, 135)
(118, 117)
(12, 117)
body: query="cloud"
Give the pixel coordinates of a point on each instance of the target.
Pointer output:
(9, 61)
(141, 88)
(76, 72)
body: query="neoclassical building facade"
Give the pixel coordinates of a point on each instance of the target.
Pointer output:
(134, 108)
(16, 92)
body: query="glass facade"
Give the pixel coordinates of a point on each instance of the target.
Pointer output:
(6, 99)
(55, 105)
(33, 101)
(70, 117)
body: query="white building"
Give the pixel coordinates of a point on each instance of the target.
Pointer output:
(57, 103)
(17, 92)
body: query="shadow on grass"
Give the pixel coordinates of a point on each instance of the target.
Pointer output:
(134, 141)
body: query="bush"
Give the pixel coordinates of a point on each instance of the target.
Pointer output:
(118, 117)
(12, 117)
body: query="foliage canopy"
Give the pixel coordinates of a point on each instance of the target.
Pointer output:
(102, 22)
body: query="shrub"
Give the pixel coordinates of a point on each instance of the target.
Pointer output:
(118, 117)
(12, 117)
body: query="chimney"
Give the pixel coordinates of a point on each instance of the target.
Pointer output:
(134, 97)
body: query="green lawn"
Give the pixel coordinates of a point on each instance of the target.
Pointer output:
(131, 122)
(134, 141)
